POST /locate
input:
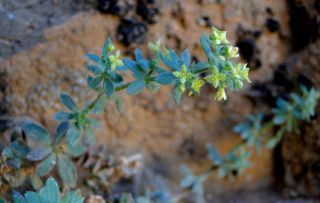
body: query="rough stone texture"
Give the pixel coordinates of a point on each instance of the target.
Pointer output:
(22, 22)
(300, 153)
(152, 124)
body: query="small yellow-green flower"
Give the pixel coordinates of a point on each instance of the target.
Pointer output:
(221, 94)
(230, 52)
(184, 75)
(115, 61)
(110, 47)
(196, 85)
(215, 77)
(154, 46)
(182, 87)
(242, 71)
(218, 37)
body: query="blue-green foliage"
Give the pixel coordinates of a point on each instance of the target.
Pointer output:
(75, 131)
(48, 194)
(254, 131)
(251, 130)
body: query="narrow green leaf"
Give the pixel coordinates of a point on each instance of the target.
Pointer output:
(61, 131)
(108, 87)
(50, 192)
(214, 155)
(177, 95)
(166, 78)
(19, 148)
(62, 116)
(204, 41)
(76, 150)
(94, 69)
(100, 104)
(67, 170)
(136, 87)
(94, 83)
(107, 47)
(138, 55)
(153, 87)
(119, 103)
(90, 136)
(93, 57)
(279, 119)
(46, 165)
(117, 78)
(276, 139)
(73, 135)
(37, 133)
(38, 154)
(186, 57)
(72, 197)
(35, 181)
(169, 63)
(68, 102)
(32, 197)
(144, 65)
(7, 152)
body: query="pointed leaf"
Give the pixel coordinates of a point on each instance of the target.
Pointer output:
(61, 131)
(169, 63)
(68, 102)
(50, 192)
(73, 135)
(100, 104)
(108, 87)
(186, 57)
(136, 87)
(177, 94)
(94, 83)
(62, 116)
(214, 155)
(72, 197)
(37, 133)
(67, 170)
(94, 69)
(19, 148)
(138, 55)
(46, 165)
(38, 154)
(93, 57)
(77, 150)
(205, 45)
(166, 78)
(32, 197)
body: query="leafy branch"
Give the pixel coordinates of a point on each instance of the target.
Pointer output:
(255, 131)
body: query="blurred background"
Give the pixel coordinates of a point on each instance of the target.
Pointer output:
(42, 53)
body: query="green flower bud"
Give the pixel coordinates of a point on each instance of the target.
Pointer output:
(218, 37)
(229, 51)
(110, 47)
(115, 61)
(196, 85)
(154, 46)
(220, 95)
(182, 87)
(238, 84)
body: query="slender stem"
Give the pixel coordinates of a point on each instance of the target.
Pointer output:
(202, 70)
(122, 87)
(92, 105)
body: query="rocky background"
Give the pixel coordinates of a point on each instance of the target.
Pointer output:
(42, 53)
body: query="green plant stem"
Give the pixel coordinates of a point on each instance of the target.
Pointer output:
(202, 70)
(122, 87)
